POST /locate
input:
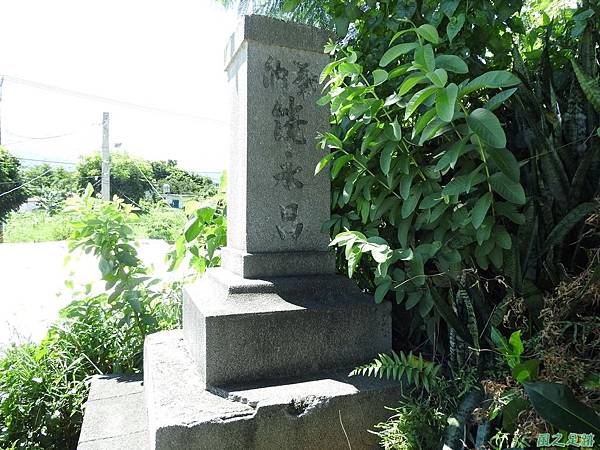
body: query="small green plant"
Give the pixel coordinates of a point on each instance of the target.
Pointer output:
(157, 221)
(104, 230)
(204, 234)
(414, 426)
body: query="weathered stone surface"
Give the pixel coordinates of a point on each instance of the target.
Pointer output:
(241, 330)
(115, 415)
(300, 413)
(275, 204)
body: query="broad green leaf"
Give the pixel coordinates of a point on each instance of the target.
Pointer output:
(497, 100)
(348, 188)
(589, 86)
(451, 63)
(568, 222)
(379, 77)
(454, 26)
(358, 109)
(509, 211)
(397, 130)
(392, 99)
(556, 404)
(451, 155)
(382, 290)
(429, 33)
(430, 200)
(526, 371)
(402, 232)
(496, 256)
(324, 161)
(425, 58)
(339, 164)
(516, 343)
(418, 270)
(486, 125)
(480, 209)
(502, 238)
(423, 121)
(417, 99)
(506, 162)
(342, 23)
(409, 83)
(493, 79)
(386, 157)
(445, 102)
(438, 77)
(409, 205)
(457, 185)
(405, 184)
(433, 129)
(290, 5)
(412, 300)
(507, 189)
(395, 52)
(398, 71)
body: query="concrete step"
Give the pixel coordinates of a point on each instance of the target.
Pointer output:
(115, 415)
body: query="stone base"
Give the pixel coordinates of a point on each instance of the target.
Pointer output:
(241, 330)
(329, 412)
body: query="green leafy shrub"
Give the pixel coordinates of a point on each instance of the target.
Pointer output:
(157, 221)
(204, 234)
(43, 386)
(465, 194)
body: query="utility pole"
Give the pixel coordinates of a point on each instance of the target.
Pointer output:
(105, 159)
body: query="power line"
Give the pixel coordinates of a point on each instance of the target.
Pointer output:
(32, 138)
(46, 161)
(74, 93)
(2, 194)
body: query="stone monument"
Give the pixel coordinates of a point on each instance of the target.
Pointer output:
(269, 338)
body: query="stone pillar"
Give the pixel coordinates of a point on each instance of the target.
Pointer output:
(269, 338)
(276, 206)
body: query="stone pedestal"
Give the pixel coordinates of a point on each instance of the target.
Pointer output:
(239, 330)
(269, 338)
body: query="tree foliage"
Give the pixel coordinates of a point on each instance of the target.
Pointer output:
(51, 185)
(10, 180)
(135, 179)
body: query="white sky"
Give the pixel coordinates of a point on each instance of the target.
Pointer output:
(157, 53)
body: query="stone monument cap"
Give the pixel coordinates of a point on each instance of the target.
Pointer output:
(270, 31)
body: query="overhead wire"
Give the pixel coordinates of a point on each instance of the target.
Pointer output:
(103, 99)
(2, 194)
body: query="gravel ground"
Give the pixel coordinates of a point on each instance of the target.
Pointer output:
(32, 289)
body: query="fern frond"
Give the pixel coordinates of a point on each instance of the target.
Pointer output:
(417, 370)
(589, 86)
